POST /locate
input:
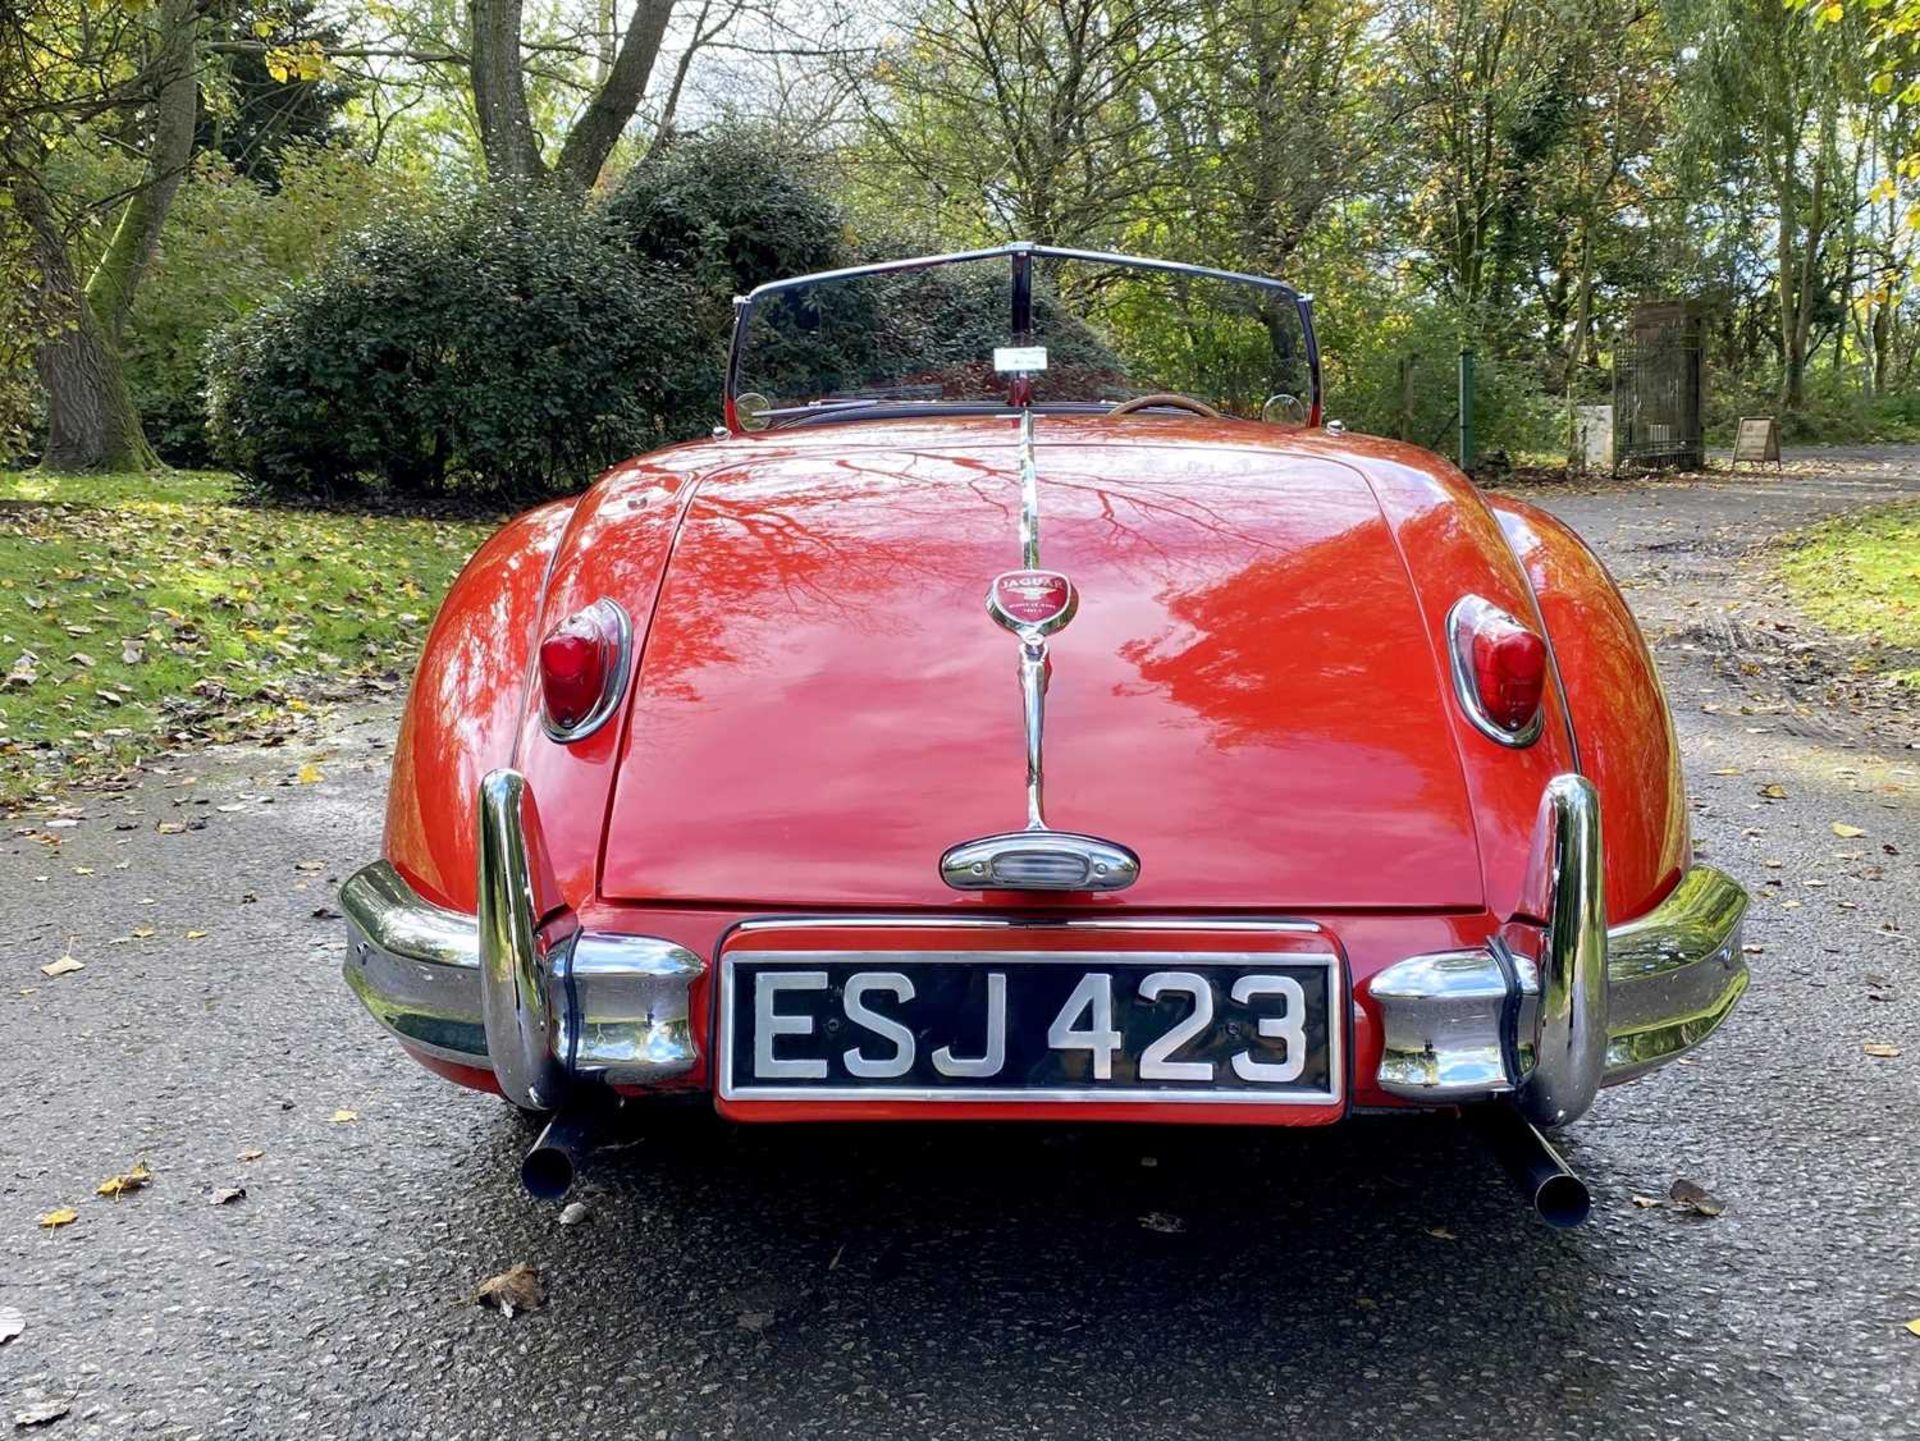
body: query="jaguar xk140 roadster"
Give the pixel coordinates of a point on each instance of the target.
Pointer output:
(1025, 707)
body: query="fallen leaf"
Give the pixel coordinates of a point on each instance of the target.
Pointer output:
(126, 1181)
(341, 1118)
(1880, 1050)
(1914, 1326)
(518, 1289)
(1647, 1203)
(310, 774)
(1163, 1223)
(227, 1195)
(1688, 1195)
(65, 966)
(1728, 771)
(41, 1412)
(1441, 1233)
(26, 670)
(1845, 831)
(1774, 792)
(196, 935)
(141, 933)
(132, 652)
(12, 1323)
(575, 1213)
(252, 1153)
(61, 1216)
(309, 865)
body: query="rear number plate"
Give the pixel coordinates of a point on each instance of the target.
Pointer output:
(1128, 1026)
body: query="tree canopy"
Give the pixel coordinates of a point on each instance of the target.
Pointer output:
(1511, 176)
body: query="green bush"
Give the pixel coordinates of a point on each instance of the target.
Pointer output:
(21, 410)
(1837, 410)
(229, 243)
(506, 345)
(1363, 349)
(727, 210)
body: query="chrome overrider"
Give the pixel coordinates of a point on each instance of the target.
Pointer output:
(1540, 1016)
(1546, 1019)
(541, 1003)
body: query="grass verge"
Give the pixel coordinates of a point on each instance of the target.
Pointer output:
(141, 613)
(1860, 574)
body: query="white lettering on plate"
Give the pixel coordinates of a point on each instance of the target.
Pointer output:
(769, 1023)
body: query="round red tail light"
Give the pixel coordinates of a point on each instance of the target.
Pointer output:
(1500, 668)
(583, 670)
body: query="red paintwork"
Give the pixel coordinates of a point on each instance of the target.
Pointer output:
(1627, 744)
(467, 706)
(1254, 693)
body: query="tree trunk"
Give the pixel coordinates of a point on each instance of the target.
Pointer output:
(500, 92)
(91, 422)
(1797, 344)
(1882, 342)
(110, 290)
(1582, 305)
(1783, 168)
(595, 133)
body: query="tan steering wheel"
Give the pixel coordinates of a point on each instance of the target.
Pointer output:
(1178, 402)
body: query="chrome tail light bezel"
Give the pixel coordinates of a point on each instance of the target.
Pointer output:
(619, 672)
(1463, 622)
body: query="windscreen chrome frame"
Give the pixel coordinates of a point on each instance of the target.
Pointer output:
(1020, 255)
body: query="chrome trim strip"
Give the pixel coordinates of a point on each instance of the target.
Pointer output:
(1570, 1046)
(514, 960)
(1033, 646)
(1164, 923)
(1029, 495)
(984, 862)
(1033, 708)
(614, 690)
(1459, 628)
(1336, 1032)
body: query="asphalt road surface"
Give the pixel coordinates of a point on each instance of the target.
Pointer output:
(1376, 1280)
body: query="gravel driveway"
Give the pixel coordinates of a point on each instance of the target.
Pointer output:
(1376, 1280)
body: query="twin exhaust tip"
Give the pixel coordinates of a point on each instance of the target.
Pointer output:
(1557, 1196)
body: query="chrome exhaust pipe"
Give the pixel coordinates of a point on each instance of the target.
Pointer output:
(560, 1153)
(1559, 1197)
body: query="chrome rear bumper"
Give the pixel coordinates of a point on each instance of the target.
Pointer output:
(1594, 1007)
(520, 991)
(542, 1006)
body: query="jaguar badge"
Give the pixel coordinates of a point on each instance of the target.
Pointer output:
(1035, 602)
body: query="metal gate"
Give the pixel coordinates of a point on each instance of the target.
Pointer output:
(1658, 388)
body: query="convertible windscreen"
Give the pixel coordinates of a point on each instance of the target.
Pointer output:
(1051, 329)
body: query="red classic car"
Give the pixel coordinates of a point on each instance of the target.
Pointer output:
(1025, 707)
